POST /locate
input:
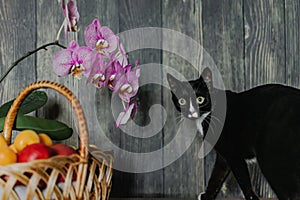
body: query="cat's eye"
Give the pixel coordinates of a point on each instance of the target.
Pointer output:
(200, 100)
(182, 101)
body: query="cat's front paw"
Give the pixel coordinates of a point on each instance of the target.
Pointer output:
(253, 198)
(203, 196)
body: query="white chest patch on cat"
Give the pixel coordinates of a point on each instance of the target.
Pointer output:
(251, 161)
(199, 123)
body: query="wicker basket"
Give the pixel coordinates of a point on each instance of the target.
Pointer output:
(84, 176)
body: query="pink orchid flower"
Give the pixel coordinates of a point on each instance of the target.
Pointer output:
(130, 111)
(128, 84)
(72, 60)
(114, 72)
(98, 75)
(72, 16)
(100, 38)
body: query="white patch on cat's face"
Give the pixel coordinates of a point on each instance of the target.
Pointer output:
(193, 111)
(199, 123)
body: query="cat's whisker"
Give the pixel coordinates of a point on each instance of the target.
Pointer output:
(214, 117)
(181, 120)
(211, 126)
(178, 118)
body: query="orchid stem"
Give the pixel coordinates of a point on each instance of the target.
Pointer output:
(124, 106)
(29, 53)
(60, 29)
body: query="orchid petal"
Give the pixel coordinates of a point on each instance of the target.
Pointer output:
(122, 57)
(73, 45)
(110, 37)
(124, 116)
(62, 62)
(73, 12)
(84, 56)
(91, 33)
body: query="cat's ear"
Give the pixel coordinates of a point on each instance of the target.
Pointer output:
(173, 82)
(207, 77)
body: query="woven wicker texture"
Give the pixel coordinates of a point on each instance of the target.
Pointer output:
(59, 177)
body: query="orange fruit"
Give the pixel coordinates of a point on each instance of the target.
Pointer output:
(45, 139)
(2, 141)
(7, 156)
(25, 138)
(13, 147)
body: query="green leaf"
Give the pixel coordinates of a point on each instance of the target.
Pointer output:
(55, 129)
(32, 102)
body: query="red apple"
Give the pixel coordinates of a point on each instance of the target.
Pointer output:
(62, 149)
(34, 152)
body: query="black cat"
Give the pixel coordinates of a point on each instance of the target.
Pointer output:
(263, 122)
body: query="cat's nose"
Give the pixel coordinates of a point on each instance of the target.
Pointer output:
(193, 115)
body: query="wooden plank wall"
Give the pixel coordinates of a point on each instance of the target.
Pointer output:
(252, 42)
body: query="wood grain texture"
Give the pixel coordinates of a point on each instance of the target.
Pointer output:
(264, 57)
(223, 40)
(292, 31)
(17, 37)
(136, 14)
(264, 42)
(186, 18)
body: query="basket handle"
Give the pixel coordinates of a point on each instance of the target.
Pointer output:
(83, 131)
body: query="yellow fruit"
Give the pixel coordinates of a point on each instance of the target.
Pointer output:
(13, 147)
(25, 138)
(7, 156)
(45, 139)
(2, 141)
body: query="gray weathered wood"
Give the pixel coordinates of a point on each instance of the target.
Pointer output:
(135, 14)
(184, 177)
(17, 37)
(292, 25)
(264, 42)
